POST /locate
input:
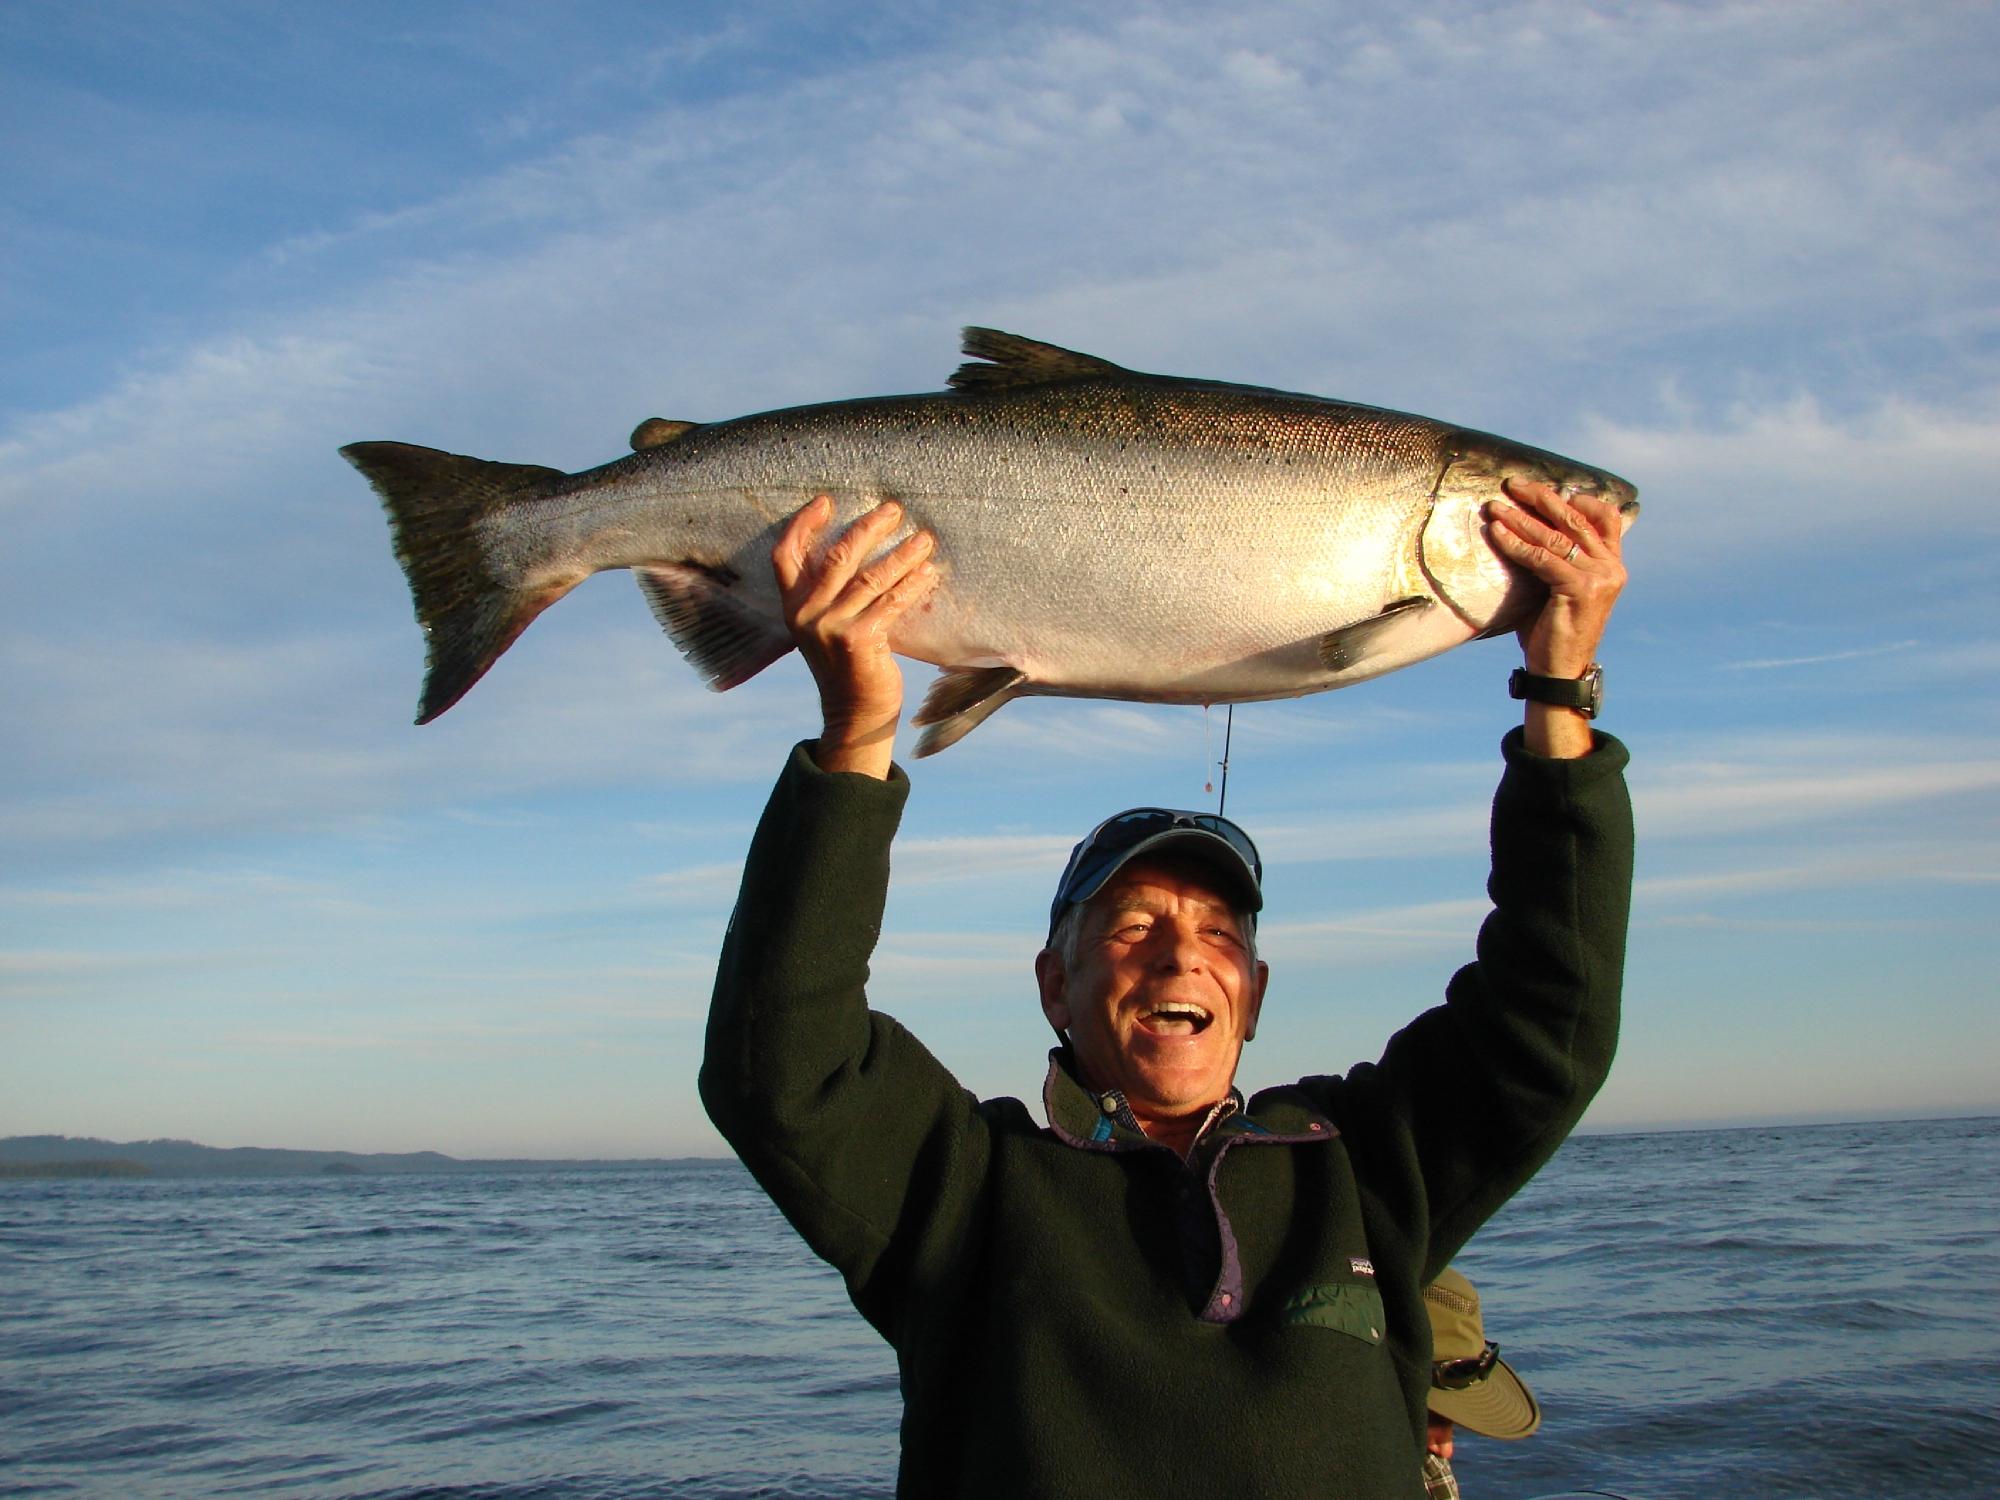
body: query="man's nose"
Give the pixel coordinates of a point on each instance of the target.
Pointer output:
(1180, 946)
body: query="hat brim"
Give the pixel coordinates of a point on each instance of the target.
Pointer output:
(1500, 1406)
(1197, 844)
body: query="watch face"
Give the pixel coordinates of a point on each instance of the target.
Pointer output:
(1593, 691)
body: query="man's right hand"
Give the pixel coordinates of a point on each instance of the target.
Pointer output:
(841, 614)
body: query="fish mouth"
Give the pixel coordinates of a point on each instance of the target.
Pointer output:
(1176, 1018)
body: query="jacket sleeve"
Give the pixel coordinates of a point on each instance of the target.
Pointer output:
(1472, 1097)
(862, 1138)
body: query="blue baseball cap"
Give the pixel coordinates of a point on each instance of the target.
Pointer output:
(1208, 837)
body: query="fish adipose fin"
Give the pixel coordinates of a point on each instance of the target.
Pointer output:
(655, 432)
(1353, 644)
(1010, 360)
(727, 640)
(471, 608)
(960, 701)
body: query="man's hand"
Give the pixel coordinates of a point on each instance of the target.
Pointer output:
(1574, 547)
(840, 615)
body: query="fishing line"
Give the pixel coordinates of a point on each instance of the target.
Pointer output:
(1228, 730)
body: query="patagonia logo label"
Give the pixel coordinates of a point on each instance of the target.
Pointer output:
(1360, 1265)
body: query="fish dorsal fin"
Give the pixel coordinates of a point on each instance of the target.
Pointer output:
(655, 431)
(1007, 359)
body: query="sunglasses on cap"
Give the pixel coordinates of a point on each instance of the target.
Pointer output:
(1457, 1374)
(1121, 836)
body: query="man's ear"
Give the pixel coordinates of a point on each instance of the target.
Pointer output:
(1256, 1005)
(1052, 980)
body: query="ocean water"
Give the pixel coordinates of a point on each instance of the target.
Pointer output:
(1805, 1311)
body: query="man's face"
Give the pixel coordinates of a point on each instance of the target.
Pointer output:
(1161, 992)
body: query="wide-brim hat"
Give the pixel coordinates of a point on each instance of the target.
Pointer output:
(1123, 837)
(1497, 1403)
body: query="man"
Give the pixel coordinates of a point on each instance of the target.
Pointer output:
(1168, 1290)
(1471, 1385)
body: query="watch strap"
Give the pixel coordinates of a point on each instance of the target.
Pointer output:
(1584, 694)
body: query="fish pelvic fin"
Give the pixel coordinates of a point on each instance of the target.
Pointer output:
(1006, 360)
(726, 639)
(471, 608)
(960, 701)
(1353, 644)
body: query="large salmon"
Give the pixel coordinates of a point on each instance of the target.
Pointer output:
(1101, 533)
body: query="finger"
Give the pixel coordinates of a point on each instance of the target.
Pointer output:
(1528, 537)
(843, 557)
(905, 593)
(1604, 517)
(794, 544)
(1566, 524)
(878, 578)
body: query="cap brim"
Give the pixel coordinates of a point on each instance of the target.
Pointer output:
(1198, 844)
(1500, 1406)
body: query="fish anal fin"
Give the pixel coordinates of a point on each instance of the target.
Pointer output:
(1006, 360)
(960, 701)
(1353, 644)
(471, 604)
(727, 639)
(656, 432)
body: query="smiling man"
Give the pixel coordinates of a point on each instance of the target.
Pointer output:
(1151, 973)
(1166, 1289)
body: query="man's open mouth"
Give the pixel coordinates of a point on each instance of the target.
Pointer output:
(1176, 1018)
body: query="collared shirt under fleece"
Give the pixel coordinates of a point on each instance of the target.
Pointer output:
(1074, 1309)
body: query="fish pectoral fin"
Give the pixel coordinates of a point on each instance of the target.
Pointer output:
(655, 432)
(960, 701)
(1353, 644)
(1007, 360)
(727, 639)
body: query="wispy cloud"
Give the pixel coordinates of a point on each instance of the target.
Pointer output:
(1702, 799)
(1768, 664)
(1895, 472)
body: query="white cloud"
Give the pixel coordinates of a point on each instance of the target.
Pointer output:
(1898, 475)
(1695, 799)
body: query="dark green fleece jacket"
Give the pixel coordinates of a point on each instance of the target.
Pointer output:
(1075, 1310)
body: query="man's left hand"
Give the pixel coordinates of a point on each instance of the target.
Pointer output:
(1575, 547)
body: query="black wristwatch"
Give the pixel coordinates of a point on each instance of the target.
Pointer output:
(1585, 694)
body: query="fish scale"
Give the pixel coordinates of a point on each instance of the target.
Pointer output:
(1100, 533)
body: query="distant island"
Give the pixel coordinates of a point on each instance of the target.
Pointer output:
(44, 1156)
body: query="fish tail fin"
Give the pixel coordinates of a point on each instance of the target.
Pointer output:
(471, 606)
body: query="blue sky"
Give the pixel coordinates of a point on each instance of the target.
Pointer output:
(1741, 254)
